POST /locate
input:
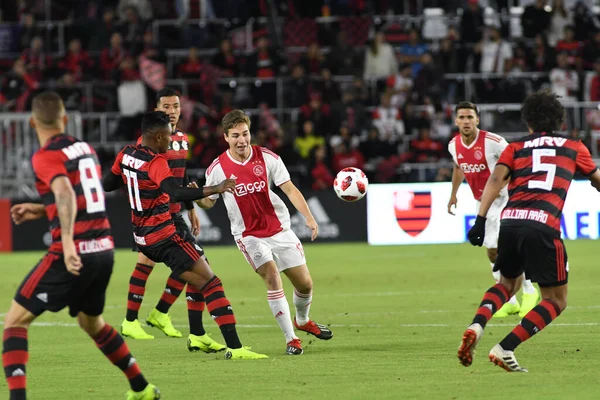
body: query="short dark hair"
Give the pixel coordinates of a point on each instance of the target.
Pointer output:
(165, 92)
(542, 112)
(234, 118)
(47, 108)
(153, 120)
(466, 105)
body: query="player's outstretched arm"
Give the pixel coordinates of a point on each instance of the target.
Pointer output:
(298, 200)
(111, 182)
(171, 187)
(27, 212)
(494, 185)
(189, 206)
(457, 178)
(204, 203)
(66, 209)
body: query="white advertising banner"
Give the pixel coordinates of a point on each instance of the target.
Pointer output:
(416, 213)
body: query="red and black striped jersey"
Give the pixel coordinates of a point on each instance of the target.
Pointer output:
(542, 168)
(65, 155)
(142, 171)
(176, 156)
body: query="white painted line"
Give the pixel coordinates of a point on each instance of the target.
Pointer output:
(270, 326)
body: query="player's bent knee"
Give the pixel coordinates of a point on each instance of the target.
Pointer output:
(556, 295)
(92, 325)
(142, 259)
(300, 278)
(18, 316)
(512, 284)
(198, 275)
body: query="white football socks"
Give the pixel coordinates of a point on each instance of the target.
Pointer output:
(281, 312)
(302, 303)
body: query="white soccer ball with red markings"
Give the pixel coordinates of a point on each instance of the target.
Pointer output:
(351, 184)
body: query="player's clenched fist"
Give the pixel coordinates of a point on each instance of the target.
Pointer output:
(228, 185)
(477, 232)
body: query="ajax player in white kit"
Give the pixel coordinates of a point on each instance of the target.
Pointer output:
(475, 153)
(260, 225)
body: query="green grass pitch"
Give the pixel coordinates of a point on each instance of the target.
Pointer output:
(397, 314)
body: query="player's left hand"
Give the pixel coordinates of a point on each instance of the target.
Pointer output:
(477, 232)
(314, 227)
(194, 221)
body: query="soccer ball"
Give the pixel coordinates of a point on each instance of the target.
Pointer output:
(350, 184)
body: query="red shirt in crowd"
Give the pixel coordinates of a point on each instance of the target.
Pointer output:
(353, 158)
(322, 177)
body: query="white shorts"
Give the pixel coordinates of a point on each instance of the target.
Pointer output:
(492, 223)
(284, 248)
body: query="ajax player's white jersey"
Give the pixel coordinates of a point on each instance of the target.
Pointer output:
(477, 161)
(254, 209)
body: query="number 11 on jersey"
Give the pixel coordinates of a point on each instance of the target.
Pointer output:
(133, 189)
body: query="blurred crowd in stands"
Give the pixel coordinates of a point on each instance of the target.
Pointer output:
(364, 91)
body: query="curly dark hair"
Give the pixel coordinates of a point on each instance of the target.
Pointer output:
(542, 112)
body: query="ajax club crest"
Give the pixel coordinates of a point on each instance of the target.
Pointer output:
(258, 170)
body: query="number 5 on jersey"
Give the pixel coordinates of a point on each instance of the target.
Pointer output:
(539, 166)
(134, 190)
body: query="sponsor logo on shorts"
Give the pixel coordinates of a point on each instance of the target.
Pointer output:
(139, 240)
(257, 256)
(96, 246)
(43, 297)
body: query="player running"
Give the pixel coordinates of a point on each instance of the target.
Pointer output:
(77, 268)
(167, 100)
(260, 224)
(475, 153)
(540, 168)
(151, 186)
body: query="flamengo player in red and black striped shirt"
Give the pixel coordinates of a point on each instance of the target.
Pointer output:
(540, 168)
(151, 187)
(76, 270)
(167, 100)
